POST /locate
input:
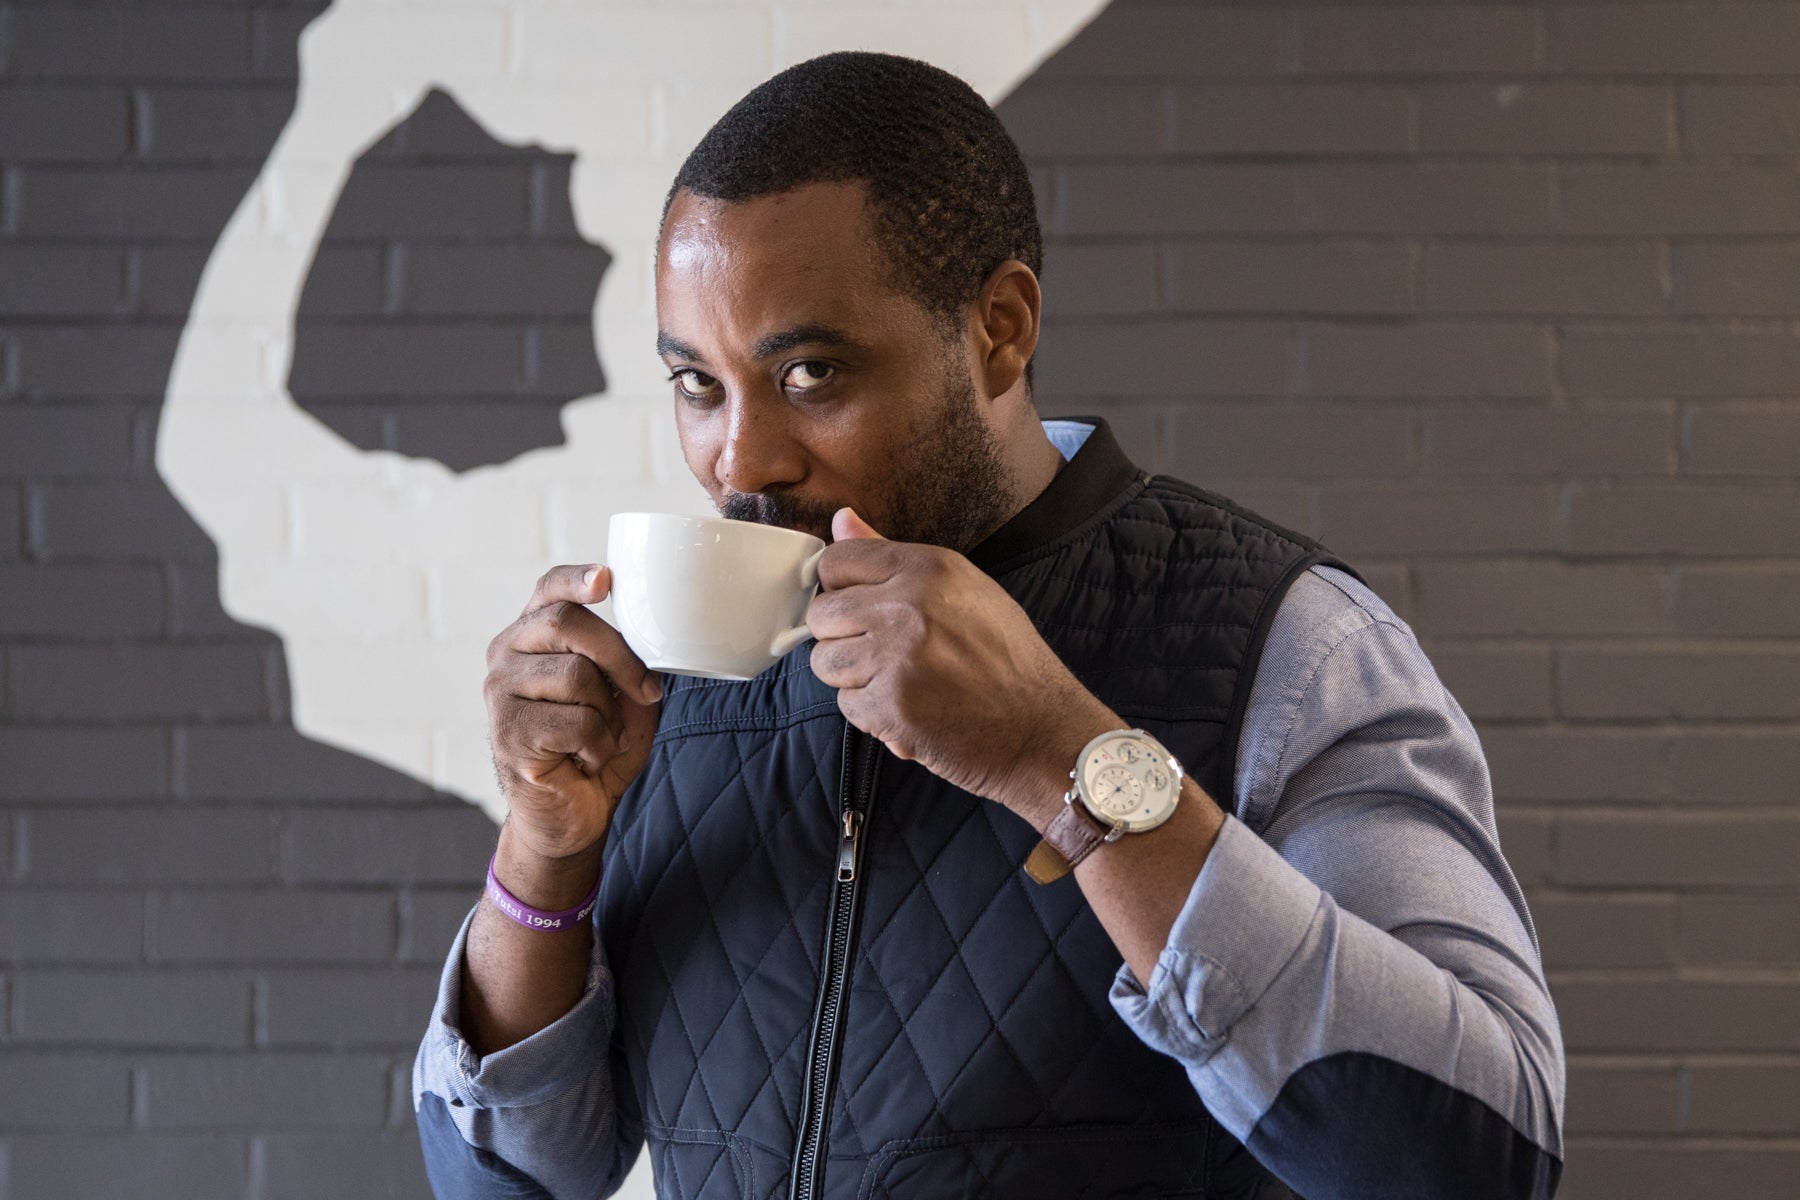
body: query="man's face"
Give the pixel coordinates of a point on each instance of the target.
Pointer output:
(804, 381)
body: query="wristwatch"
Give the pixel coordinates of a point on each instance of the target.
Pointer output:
(1124, 782)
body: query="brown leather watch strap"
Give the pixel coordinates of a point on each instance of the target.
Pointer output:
(1070, 837)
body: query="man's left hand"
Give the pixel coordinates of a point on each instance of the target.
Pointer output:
(933, 658)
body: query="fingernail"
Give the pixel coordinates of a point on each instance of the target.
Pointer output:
(653, 687)
(587, 580)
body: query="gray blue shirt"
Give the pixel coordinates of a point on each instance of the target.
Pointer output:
(1389, 931)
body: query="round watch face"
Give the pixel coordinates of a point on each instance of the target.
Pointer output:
(1127, 779)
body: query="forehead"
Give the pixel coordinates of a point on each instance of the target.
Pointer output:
(806, 255)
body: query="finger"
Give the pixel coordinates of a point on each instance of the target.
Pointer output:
(583, 583)
(861, 560)
(843, 613)
(847, 526)
(558, 679)
(566, 627)
(844, 662)
(534, 731)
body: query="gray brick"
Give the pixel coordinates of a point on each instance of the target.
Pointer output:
(1092, 359)
(116, 522)
(184, 681)
(1102, 280)
(166, 277)
(148, 1009)
(429, 920)
(1176, 42)
(1102, 120)
(1432, 198)
(1739, 931)
(1292, 277)
(344, 280)
(1421, 39)
(60, 926)
(1633, 1170)
(1714, 766)
(1605, 931)
(443, 844)
(1496, 682)
(266, 1091)
(1176, 198)
(275, 42)
(1292, 120)
(255, 763)
(1569, 764)
(1760, 440)
(1744, 1098)
(433, 200)
(160, 202)
(82, 762)
(236, 925)
(1641, 850)
(467, 435)
(1678, 198)
(74, 361)
(1739, 279)
(1614, 1098)
(1670, 39)
(1534, 597)
(164, 845)
(565, 363)
(345, 1007)
(63, 124)
(1758, 119)
(1733, 601)
(553, 280)
(1711, 682)
(112, 43)
(212, 124)
(1428, 360)
(96, 601)
(12, 523)
(64, 1091)
(1525, 840)
(92, 441)
(1635, 440)
(60, 281)
(192, 1166)
(194, 607)
(1287, 441)
(1663, 1013)
(440, 359)
(1623, 278)
(1537, 118)
(1361, 518)
(388, 1163)
(1697, 519)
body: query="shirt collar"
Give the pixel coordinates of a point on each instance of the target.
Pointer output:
(1096, 473)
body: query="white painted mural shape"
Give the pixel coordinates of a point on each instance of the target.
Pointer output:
(384, 575)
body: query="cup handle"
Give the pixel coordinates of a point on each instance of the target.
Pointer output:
(787, 639)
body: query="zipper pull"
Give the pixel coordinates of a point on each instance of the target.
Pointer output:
(847, 846)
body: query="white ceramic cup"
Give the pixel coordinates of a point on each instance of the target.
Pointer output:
(707, 596)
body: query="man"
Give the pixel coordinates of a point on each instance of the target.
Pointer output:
(818, 964)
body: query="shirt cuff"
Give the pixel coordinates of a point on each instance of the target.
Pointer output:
(1245, 917)
(540, 1068)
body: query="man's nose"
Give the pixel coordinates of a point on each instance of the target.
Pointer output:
(761, 448)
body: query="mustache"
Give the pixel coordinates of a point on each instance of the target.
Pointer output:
(778, 508)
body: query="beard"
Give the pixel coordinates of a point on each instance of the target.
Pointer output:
(947, 483)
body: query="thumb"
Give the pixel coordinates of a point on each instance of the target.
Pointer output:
(846, 525)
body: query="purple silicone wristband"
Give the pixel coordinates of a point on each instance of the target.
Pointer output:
(537, 918)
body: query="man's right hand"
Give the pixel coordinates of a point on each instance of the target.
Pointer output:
(571, 714)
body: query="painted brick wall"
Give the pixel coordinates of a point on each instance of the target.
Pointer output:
(1498, 299)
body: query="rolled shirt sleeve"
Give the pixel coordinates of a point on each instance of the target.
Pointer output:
(536, 1119)
(1353, 984)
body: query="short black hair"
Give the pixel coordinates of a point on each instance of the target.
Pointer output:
(950, 196)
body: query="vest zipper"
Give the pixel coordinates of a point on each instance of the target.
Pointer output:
(856, 796)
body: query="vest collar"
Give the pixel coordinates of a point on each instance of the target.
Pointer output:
(1097, 474)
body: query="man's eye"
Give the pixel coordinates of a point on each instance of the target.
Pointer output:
(805, 376)
(694, 385)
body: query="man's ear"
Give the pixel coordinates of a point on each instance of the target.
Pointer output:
(1006, 325)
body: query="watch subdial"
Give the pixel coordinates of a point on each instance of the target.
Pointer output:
(1118, 792)
(1156, 779)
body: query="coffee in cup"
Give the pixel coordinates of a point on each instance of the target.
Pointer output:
(708, 596)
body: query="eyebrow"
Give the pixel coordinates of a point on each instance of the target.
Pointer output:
(769, 345)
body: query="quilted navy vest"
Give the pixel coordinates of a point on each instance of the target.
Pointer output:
(967, 1046)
